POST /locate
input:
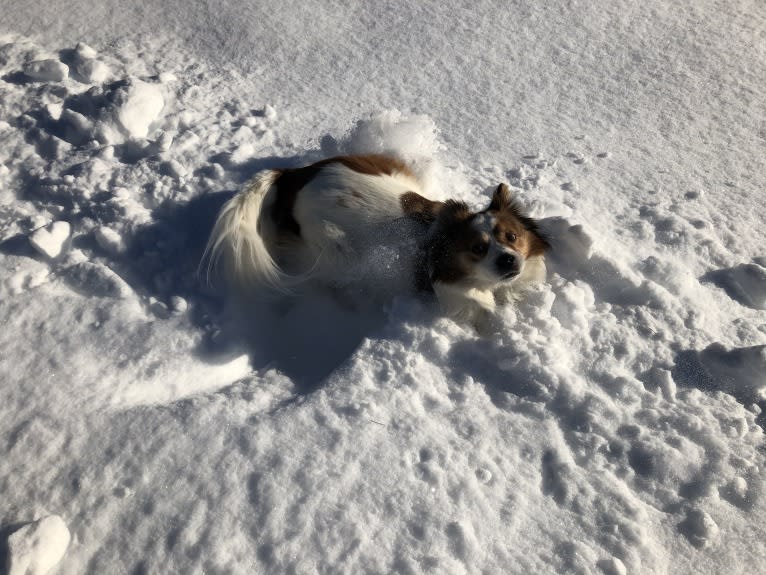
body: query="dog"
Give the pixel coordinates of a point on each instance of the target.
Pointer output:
(351, 219)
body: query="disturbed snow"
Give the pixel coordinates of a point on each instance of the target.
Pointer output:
(612, 423)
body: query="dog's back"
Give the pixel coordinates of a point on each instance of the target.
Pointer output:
(336, 221)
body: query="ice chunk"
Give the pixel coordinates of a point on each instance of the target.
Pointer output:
(37, 547)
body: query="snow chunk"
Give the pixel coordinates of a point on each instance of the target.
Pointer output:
(84, 52)
(87, 68)
(138, 104)
(269, 112)
(46, 70)
(109, 240)
(737, 493)
(27, 279)
(483, 475)
(75, 127)
(413, 138)
(37, 547)
(118, 112)
(92, 71)
(178, 304)
(393, 131)
(50, 240)
(745, 283)
(174, 169)
(699, 528)
(612, 566)
(738, 371)
(98, 280)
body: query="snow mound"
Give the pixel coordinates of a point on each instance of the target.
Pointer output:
(745, 283)
(37, 547)
(411, 137)
(740, 372)
(111, 114)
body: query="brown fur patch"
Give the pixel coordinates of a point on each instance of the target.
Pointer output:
(449, 252)
(372, 164)
(511, 232)
(419, 207)
(512, 219)
(456, 245)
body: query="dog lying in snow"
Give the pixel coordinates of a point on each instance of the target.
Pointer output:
(351, 216)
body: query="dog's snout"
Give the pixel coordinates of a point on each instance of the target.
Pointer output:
(507, 264)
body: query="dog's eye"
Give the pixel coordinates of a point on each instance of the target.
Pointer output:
(510, 237)
(480, 248)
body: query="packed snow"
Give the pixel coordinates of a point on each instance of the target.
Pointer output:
(612, 422)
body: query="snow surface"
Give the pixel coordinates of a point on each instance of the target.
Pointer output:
(613, 424)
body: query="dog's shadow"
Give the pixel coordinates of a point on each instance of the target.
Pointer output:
(304, 336)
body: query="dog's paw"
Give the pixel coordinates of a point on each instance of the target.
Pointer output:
(468, 306)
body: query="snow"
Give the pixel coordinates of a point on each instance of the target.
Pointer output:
(46, 70)
(35, 548)
(611, 423)
(50, 240)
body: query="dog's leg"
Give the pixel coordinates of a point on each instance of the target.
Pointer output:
(466, 304)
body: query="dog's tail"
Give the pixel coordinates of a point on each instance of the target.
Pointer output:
(242, 236)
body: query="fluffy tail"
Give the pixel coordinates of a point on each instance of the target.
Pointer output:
(241, 237)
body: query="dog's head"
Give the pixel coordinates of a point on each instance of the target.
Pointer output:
(483, 249)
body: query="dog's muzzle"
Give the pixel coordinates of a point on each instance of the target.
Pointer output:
(508, 266)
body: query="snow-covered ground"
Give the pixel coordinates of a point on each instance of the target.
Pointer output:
(611, 425)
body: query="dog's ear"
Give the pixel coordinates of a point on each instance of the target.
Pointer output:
(420, 208)
(501, 199)
(453, 211)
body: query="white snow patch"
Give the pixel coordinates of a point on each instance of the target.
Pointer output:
(37, 547)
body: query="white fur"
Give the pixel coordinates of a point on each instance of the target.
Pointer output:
(351, 225)
(241, 236)
(342, 215)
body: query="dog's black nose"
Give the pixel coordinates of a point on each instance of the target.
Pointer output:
(507, 264)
